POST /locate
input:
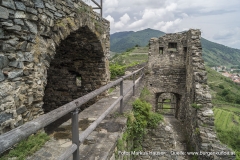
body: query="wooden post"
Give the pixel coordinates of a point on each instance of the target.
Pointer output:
(75, 134)
(121, 94)
(133, 84)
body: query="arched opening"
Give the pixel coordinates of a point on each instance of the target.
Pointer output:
(168, 103)
(79, 67)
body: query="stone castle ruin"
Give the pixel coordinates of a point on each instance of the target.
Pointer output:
(51, 52)
(54, 51)
(176, 72)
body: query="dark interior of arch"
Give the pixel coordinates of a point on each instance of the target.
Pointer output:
(172, 100)
(77, 69)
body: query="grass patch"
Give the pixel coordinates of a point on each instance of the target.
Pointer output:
(27, 147)
(111, 90)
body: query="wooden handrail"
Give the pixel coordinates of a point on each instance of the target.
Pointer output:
(12, 137)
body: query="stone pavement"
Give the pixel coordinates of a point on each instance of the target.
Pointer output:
(100, 144)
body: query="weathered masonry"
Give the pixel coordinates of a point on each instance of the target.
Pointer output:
(176, 72)
(51, 52)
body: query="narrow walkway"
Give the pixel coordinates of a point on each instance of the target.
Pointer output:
(101, 142)
(166, 142)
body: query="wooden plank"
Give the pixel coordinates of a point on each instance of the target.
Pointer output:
(12, 137)
(68, 152)
(93, 126)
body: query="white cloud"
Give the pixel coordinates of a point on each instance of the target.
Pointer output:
(110, 3)
(125, 18)
(119, 25)
(171, 7)
(110, 19)
(136, 24)
(176, 15)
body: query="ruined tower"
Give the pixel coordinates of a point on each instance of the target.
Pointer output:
(176, 69)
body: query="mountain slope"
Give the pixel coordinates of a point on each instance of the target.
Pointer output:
(123, 40)
(214, 54)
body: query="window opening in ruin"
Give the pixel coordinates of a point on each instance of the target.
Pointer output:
(151, 85)
(172, 46)
(160, 50)
(79, 80)
(184, 49)
(166, 103)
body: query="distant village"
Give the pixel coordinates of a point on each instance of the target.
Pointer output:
(235, 77)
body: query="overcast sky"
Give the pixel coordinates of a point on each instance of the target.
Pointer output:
(219, 20)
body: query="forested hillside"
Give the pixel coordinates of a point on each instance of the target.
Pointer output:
(214, 54)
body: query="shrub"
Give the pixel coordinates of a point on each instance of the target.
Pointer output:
(138, 120)
(117, 70)
(194, 105)
(225, 92)
(154, 119)
(221, 86)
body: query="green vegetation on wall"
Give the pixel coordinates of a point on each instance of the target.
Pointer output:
(27, 147)
(138, 121)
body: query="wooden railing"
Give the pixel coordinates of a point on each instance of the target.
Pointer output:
(12, 137)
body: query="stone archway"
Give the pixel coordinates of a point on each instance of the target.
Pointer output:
(168, 103)
(34, 38)
(79, 57)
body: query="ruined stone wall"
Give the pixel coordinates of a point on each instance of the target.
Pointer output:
(190, 83)
(46, 43)
(200, 122)
(166, 68)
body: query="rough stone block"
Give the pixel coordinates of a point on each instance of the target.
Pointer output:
(5, 116)
(4, 13)
(32, 26)
(31, 17)
(14, 28)
(50, 6)
(70, 3)
(3, 61)
(38, 3)
(13, 42)
(17, 64)
(49, 13)
(58, 14)
(20, 6)
(8, 4)
(21, 110)
(1, 33)
(18, 21)
(31, 10)
(7, 47)
(19, 14)
(22, 45)
(15, 73)
(2, 77)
